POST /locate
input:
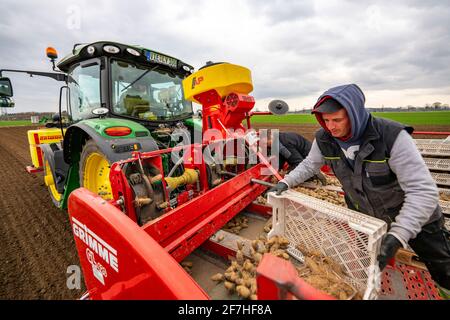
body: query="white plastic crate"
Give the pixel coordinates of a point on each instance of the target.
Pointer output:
(348, 237)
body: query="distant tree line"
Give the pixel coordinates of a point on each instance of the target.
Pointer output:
(27, 115)
(436, 106)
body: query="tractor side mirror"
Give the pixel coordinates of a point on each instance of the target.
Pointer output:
(6, 102)
(278, 107)
(5, 87)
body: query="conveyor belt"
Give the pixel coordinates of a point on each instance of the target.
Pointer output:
(438, 164)
(441, 178)
(428, 147)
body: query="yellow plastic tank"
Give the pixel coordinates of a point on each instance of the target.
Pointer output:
(225, 78)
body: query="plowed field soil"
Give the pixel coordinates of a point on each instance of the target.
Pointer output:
(36, 241)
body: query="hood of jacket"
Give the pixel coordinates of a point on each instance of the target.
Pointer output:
(351, 97)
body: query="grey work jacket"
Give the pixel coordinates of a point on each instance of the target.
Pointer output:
(370, 186)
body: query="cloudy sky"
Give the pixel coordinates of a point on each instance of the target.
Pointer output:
(398, 52)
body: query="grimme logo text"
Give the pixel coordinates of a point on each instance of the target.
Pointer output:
(97, 244)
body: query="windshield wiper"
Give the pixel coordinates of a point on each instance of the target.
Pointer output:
(138, 78)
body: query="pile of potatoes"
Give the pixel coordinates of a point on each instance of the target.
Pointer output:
(268, 226)
(319, 271)
(323, 194)
(236, 224)
(327, 195)
(444, 196)
(240, 277)
(325, 274)
(331, 181)
(261, 200)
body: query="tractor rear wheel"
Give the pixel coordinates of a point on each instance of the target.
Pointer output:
(49, 181)
(94, 170)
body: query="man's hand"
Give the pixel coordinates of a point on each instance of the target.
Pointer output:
(279, 188)
(389, 247)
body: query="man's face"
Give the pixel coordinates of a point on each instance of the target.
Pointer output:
(338, 123)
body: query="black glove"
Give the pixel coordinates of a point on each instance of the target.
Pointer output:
(322, 178)
(279, 188)
(388, 249)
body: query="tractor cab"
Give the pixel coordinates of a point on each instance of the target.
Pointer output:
(131, 82)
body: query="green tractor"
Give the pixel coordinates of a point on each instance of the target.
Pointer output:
(118, 99)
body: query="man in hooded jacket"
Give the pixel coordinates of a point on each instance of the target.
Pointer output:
(382, 174)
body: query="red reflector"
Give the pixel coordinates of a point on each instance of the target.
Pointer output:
(118, 131)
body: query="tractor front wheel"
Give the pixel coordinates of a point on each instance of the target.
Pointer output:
(94, 170)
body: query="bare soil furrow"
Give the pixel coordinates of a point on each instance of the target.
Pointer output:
(35, 237)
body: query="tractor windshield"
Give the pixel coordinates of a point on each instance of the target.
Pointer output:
(147, 93)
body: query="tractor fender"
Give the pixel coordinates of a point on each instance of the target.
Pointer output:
(49, 155)
(114, 149)
(59, 168)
